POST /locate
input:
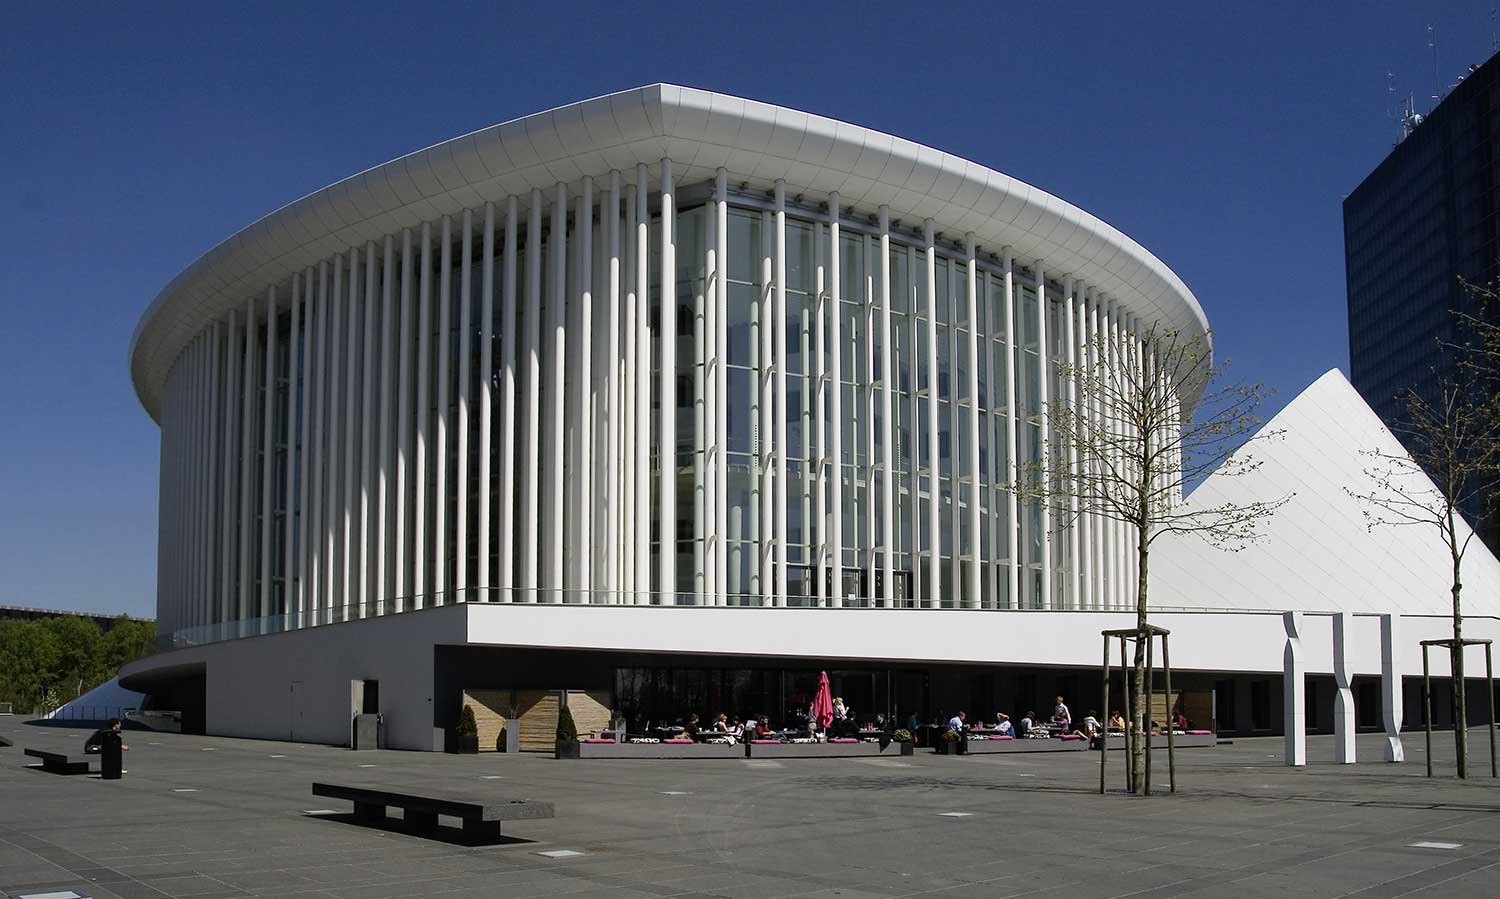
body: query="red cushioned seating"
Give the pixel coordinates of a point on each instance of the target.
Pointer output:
(1200, 732)
(1070, 737)
(679, 740)
(766, 742)
(1002, 738)
(597, 740)
(844, 740)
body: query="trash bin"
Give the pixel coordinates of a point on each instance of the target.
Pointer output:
(110, 757)
(366, 732)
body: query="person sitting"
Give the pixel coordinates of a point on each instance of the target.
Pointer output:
(959, 727)
(1092, 729)
(690, 727)
(736, 730)
(111, 733)
(1117, 722)
(1179, 721)
(1029, 725)
(1003, 726)
(762, 727)
(1061, 716)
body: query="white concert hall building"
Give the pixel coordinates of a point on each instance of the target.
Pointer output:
(434, 428)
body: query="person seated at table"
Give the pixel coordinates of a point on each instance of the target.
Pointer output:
(1092, 729)
(1117, 722)
(763, 727)
(1003, 727)
(690, 726)
(1028, 724)
(736, 729)
(1179, 721)
(1061, 716)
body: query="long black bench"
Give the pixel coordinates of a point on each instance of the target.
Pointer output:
(481, 820)
(59, 762)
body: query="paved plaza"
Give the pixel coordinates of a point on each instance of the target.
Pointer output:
(210, 817)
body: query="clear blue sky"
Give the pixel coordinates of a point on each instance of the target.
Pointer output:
(136, 136)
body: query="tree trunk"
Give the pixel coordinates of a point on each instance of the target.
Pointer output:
(1139, 710)
(1460, 703)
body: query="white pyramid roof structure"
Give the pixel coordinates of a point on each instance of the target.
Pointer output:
(1316, 553)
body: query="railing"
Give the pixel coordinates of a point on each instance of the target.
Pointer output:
(275, 624)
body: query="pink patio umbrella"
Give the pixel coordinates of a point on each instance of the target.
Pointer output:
(822, 706)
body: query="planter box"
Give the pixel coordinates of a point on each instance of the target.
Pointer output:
(819, 750)
(1179, 741)
(985, 747)
(566, 749)
(459, 745)
(948, 747)
(907, 748)
(613, 750)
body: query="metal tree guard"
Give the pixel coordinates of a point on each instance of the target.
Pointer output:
(1126, 635)
(1453, 645)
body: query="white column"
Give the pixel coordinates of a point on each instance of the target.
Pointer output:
(368, 465)
(667, 448)
(871, 536)
(642, 389)
(332, 518)
(487, 403)
(1391, 697)
(991, 418)
(420, 587)
(630, 536)
(1012, 448)
(582, 416)
(247, 464)
(305, 456)
(348, 556)
(215, 474)
(407, 339)
(1044, 378)
(816, 383)
(836, 377)
(460, 542)
(762, 580)
(1104, 524)
(552, 423)
(818, 461)
(1343, 696)
(514, 566)
(705, 552)
(888, 384)
(934, 484)
(1293, 710)
(1084, 558)
(530, 568)
(614, 500)
(719, 420)
(976, 571)
(1109, 415)
(268, 455)
(914, 419)
(1070, 388)
(383, 502)
(781, 428)
(441, 550)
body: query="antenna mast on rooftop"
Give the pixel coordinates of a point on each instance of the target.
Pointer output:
(1437, 84)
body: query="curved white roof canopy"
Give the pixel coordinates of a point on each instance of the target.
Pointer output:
(700, 131)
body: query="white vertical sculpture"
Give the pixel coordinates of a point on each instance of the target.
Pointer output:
(642, 389)
(304, 452)
(1294, 713)
(406, 338)
(1343, 697)
(781, 429)
(1012, 448)
(347, 552)
(582, 351)
(367, 465)
(614, 550)
(555, 452)
(1391, 696)
(421, 477)
(529, 477)
(508, 569)
(976, 573)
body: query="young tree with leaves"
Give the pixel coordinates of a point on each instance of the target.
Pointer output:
(1450, 463)
(1147, 416)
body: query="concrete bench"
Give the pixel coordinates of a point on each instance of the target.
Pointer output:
(481, 820)
(59, 762)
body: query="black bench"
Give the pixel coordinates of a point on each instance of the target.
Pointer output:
(481, 820)
(59, 762)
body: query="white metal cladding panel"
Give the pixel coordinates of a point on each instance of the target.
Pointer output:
(1316, 552)
(700, 131)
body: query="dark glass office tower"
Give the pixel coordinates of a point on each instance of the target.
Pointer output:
(1424, 218)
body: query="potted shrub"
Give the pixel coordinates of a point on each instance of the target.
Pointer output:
(464, 739)
(903, 739)
(567, 736)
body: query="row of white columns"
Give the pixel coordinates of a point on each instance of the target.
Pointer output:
(378, 440)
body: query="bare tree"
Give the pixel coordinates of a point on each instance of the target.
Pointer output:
(1148, 416)
(1449, 464)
